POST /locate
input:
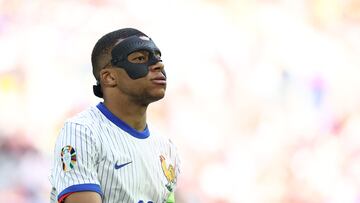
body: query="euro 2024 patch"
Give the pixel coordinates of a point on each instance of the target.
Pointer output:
(68, 158)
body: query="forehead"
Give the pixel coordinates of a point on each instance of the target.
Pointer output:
(124, 47)
(123, 39)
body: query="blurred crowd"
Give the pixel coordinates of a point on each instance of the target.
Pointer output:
(263, 100)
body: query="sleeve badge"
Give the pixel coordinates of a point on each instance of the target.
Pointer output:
(68, 158)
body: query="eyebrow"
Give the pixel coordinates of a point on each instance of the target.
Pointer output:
(137, 54)
(144, 52)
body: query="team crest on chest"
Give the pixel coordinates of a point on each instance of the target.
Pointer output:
(169, 172)
(68, 158)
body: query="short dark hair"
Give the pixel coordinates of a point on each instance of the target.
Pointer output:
(101, 54)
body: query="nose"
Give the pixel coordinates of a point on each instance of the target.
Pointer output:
(159, 66)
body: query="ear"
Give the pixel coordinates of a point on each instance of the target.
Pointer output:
(107, 78)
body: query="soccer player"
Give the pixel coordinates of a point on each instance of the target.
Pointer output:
(107, 153)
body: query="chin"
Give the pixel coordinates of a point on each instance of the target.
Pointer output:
(157, 96)
(160, 96)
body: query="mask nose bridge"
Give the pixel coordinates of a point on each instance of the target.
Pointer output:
(153, 59)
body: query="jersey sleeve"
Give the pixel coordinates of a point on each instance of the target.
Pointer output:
(75, 161)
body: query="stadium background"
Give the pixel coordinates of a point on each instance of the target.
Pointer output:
(262, 102)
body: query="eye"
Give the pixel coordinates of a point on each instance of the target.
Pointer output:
(140, 58)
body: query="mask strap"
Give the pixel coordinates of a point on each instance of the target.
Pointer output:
(97, 90)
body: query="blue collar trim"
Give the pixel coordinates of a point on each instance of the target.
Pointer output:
(121, 124)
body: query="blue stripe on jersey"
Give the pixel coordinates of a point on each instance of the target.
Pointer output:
(81, 188)
(121, 124)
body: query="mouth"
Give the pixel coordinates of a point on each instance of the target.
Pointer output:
(159, 80)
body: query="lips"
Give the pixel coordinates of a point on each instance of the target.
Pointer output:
(160, 80)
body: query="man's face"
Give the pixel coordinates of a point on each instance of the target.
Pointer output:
(146, 89)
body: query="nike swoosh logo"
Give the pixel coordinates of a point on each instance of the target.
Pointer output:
(121, 165)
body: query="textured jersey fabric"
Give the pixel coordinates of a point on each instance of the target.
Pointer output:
(96, 151)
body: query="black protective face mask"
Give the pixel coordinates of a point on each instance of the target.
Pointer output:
(132, 44)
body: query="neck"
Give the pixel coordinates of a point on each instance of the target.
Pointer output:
(132, 114)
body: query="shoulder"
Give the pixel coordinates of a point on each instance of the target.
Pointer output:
(83, 124)
(79, 131)
(90, 117)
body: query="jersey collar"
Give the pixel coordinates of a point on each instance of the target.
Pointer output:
(121, 124)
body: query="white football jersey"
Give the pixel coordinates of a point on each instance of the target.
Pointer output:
(96, 151)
